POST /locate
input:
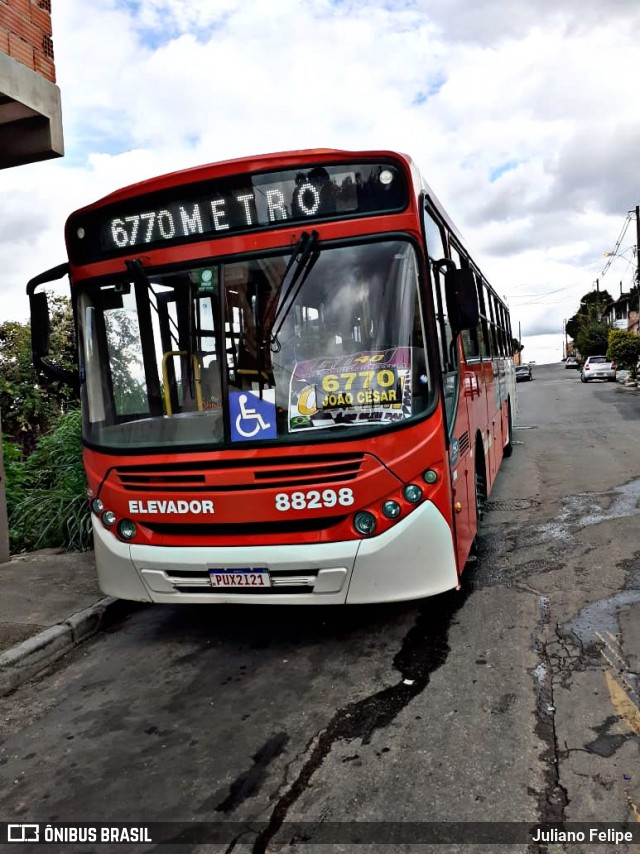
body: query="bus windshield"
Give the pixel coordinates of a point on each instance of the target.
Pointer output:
(255, 349)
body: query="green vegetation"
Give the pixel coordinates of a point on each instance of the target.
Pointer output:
(42, 442)
(592, 338)
(30, 404)
(624, 349)
(589, 333)
(516, 346)
(47, 492)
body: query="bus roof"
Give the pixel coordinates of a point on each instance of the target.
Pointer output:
(251, 163)
(274, 161)
(265, 162)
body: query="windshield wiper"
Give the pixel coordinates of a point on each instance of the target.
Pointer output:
(304, 256)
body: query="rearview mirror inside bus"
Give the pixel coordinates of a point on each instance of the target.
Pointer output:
(462, 299)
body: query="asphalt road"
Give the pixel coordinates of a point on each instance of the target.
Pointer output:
(515, 699)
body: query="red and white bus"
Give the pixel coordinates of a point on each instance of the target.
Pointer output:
(297, 385)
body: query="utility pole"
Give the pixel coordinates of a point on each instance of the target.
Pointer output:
(565, 345)
(519, 360)
(637, 243)
(638, 246)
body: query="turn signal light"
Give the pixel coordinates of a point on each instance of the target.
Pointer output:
(97, 506)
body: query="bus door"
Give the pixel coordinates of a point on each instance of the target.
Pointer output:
(455, 410)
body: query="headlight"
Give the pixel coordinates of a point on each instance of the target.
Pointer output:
(364, 523)
(127, 529)
(97, 506)
(412, 493)
(391, 509)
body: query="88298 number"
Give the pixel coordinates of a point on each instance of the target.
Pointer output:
(314, 499)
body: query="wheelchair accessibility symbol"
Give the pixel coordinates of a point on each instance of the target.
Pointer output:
(251, 416)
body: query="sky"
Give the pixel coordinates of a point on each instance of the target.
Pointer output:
(522, 116)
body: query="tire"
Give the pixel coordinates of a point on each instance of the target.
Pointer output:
(480, 487)
(508, 447)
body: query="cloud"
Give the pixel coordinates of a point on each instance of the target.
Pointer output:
(520, 116)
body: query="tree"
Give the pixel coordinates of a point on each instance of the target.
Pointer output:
(592, 338)
(624, 349)
(516, 346)
(592, 306)
(30, 402)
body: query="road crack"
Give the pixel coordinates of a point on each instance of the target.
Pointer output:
(554, 798)
(424, 649)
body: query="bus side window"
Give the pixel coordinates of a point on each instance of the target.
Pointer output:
(495, 339)
(470, 340)
(481, 330)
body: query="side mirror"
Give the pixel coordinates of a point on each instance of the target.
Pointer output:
(462, 298)
(40, 326)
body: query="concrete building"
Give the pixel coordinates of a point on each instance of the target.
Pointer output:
(30, 116)
(30, 113)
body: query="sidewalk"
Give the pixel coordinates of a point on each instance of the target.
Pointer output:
(50, 602)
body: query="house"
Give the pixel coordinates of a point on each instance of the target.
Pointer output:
(619, 314)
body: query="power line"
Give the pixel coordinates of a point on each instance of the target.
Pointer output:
(613, 254)
(543, 294)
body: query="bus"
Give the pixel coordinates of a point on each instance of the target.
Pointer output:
(297, 385)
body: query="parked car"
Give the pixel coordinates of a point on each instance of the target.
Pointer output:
(523, 372)
(571, 362)
(598, 368)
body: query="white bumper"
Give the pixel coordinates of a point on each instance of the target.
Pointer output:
(413, 559)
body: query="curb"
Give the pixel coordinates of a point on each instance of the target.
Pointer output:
(27, 659)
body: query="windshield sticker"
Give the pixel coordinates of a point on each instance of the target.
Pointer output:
(362, 388)
(252, 416)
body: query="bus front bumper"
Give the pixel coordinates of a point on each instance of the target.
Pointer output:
(413, 559)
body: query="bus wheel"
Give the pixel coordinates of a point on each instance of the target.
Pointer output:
(480, 487)
(508, 445)
(481, 497)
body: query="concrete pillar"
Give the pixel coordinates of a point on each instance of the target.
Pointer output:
(4, 523)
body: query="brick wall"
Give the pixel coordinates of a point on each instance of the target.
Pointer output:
(25, 34)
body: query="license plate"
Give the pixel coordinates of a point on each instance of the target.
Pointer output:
(236, 578)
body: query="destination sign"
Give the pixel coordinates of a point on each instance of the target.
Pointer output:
(223, 206)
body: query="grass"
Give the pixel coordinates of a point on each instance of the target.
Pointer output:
(47, 492)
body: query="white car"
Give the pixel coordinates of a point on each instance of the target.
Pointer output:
(598, 368)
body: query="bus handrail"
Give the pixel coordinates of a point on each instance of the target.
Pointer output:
(165, 379)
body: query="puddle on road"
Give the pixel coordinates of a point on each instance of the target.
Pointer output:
(582, 511)
(600, 617)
